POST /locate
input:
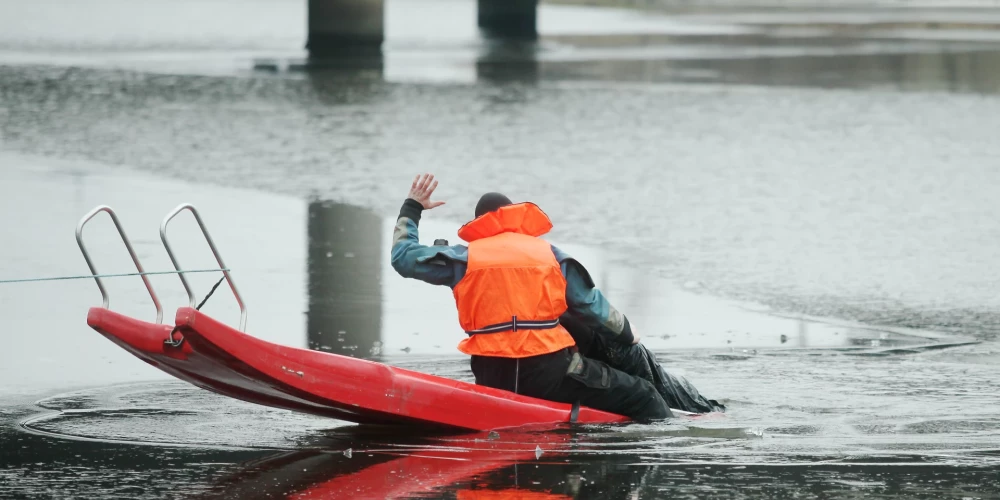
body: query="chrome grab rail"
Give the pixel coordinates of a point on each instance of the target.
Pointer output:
(222, 266)
(93, 270)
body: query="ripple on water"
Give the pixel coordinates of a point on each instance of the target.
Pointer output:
(797, 409)
(812, 436)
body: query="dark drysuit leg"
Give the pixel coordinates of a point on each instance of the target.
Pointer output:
(638, 361)
(567, 377)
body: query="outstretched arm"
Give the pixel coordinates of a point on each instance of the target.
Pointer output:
(437, 265)
(586, 302)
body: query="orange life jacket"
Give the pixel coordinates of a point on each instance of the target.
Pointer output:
(513, 292)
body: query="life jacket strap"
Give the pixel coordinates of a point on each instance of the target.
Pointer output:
(515, 324)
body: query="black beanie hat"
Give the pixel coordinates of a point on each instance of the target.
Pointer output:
(490, 202)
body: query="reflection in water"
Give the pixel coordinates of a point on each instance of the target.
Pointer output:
(345, 279)
(502, 61)
(475, 466)
(783, 61)
(434, 473)
(525, 465)
(364, 64)
(827, 62)
(506, 464)
(862, 62)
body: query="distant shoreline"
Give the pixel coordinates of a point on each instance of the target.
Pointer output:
(700, 5)
(837, 16)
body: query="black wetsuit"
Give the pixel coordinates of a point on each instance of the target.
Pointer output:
(597, 373)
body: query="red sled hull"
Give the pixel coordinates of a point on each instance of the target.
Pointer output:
(218, 358)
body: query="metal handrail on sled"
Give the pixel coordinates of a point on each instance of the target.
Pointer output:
(135, 258)
(218, 258)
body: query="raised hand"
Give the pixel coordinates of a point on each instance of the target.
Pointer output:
(422, 189)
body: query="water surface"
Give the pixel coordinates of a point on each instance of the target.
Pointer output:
(800, 221)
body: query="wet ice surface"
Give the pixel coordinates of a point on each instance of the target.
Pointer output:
(314, 274)
(869, 206)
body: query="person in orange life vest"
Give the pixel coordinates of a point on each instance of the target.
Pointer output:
(513, 291)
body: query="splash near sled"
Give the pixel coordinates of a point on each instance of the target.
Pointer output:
(214, 356)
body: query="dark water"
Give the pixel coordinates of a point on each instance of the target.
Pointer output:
(462, 467)
(802, 223)
(173, 441)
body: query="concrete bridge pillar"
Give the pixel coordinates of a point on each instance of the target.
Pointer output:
(339, 26)
(336, 26)
(516, 19)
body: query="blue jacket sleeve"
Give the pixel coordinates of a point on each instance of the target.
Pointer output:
(587, 303)
(437, 265)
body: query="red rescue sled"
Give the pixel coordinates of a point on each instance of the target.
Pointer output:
(221, 359)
